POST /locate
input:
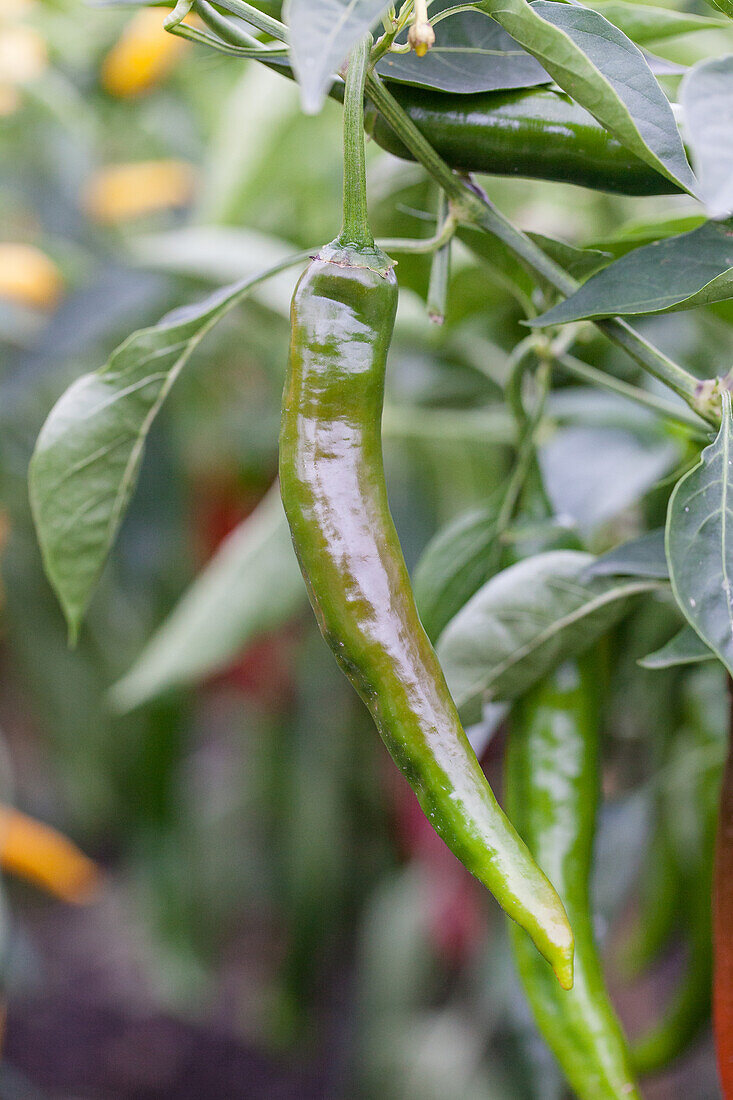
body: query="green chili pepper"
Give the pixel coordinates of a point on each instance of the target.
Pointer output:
(537, 133)
(690, 786)
(552, 795)
(335, 498)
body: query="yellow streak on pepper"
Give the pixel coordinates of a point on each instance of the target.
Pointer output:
(28, 276)
(40, 854)
(122, 192)
(143, 55)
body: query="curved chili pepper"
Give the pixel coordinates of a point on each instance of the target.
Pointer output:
(333, 489)
(538, 133)
(552, 794)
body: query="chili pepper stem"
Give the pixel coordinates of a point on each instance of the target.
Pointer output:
(355, 231)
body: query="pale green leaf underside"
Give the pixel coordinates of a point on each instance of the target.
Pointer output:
(251, 585)
(700, 543)
(525, 621)
(706, 95)
(322, 32)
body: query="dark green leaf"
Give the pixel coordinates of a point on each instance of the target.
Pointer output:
(471, 54)
(601, 68)
(578, 262)
(251, 585)
(525, 621)
(454, 565)
(707, 99)
(88, 454)
(685, 648)
(642, 557)
(700, 542)
(678, 273)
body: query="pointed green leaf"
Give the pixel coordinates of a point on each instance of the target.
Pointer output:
(700, 542)
(525, 621)
(642, 557)
(678, 273)
(322, 33)
(685, 648)
(706, 95)
(87, 457)
(645, 23)
(604, 71)
(251, 585)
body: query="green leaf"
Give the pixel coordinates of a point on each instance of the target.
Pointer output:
(601, 68)
(525, 621)
(685, 648)
(578, 262)
(593, 473)
(640, 231)
(251, 585)
(454, 565)
(642, 557)
(706, 95)
(87, 457)
(674, 274)
(645, 23)
(726, 6)
(471, 54)
(322, 33)
(700, 542)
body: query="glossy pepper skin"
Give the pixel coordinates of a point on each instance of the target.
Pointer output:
(335, 498)
(538, 133)
(552, 796)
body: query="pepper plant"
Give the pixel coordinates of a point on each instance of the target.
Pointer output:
(532, 610)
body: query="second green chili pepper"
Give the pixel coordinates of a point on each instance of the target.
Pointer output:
(537, 133)
(552, 795)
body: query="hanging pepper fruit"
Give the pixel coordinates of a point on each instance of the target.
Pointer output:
(537, 133)
(335, 498)
(690, 783)
(552, 795)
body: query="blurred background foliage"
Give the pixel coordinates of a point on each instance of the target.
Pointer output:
(272, 916)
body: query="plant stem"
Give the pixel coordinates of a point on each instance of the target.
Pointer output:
(225, 28)
(527, 450)
(419, 245)
(472, 206)
(634, 393)
(355, 230)
(256, 18)
(440, 267)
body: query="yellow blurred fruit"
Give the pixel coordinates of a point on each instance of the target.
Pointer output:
(40, 854)
(142, 56)
(28, 276)
(125, 191)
